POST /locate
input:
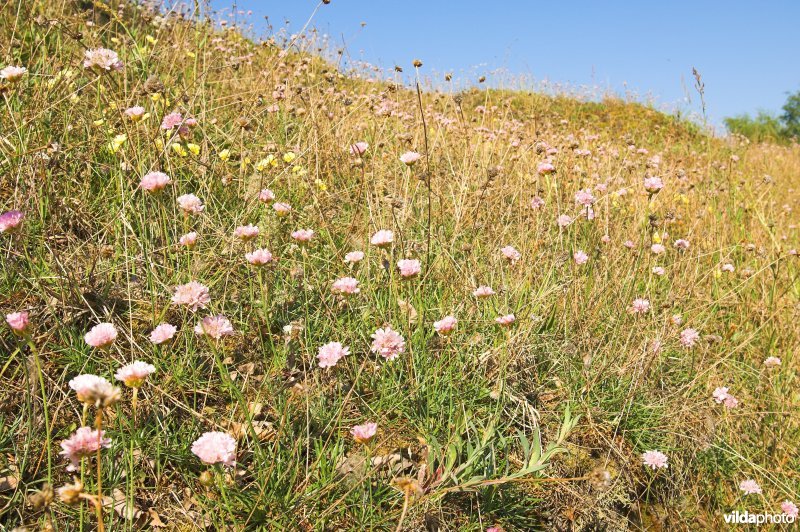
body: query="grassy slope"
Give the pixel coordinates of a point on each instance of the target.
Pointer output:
(94, 248)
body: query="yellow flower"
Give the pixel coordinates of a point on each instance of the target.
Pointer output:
(321, 184)
(180, 150)
(289, 156)
(656, 238)
(224, 155)
(717, 273)
(266, 162)
(683, 199)
(150, 39)
(194, 148)
(114, 40)
(117, 142)
(155, 96)
(191, 55)
(244, 162)
(74, 97)
(99, 122)
(299, 170)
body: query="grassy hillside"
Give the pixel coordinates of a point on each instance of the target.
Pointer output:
(612, 322)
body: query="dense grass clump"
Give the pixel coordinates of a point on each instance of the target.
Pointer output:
(246, 290)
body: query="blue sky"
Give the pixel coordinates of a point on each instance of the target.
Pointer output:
(747, 52)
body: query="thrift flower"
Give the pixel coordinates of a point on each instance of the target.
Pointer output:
(154, 181)
(639, 306)
(84, 443)
(10, 221)
(689, 337)
(19, 322)
(511, 254)
(259, 257)
(303, 235)
(506, 320)
(382, 238)
(354, 257)
(654, 460)
(409, 267)
(102, 59)
(162, 333)
(134, 374)
(329, 354)
(188, 240)
(483, 292)
(94, 390)
(246, 232)
(750, 487)
(410, 157)
(193, 295)
(358, 149)
(12, 74)
(214, 326)
(190, 204)
(388, 343)
(580, 257)
(215, 448)
(345, 286)
(364, 432)
(101, 335)
(445, 326)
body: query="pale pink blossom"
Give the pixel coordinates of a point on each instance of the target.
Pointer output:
(246, 233)
(134, 113)
(410, 157)
(563, 220)
(409, 267)
(653, 184)
(101, 335)
(214, 327)
(215, 448)
(654, 460)
(750, 487)
(154, 181)
(10, 221)
(94, 390)
(102, 59)
(18, 321)
(639, 306)
(682, 244)
(727, 267)
(188, 240)
(190, 204)
(658, 270)
(84, 443)
(281, 209)
(359, 148)
(303, 235)
(388, 343)
(689, 337)
(789, 508)
(12, 74)
(354, 257)
(162, 333)
(605, 239)
(506, 320)
(584, 197)
(580, 257)
(537, 203)
(364, 432)
(722, 396)
(345, 286)
(193, 295)
(545, 168)
(171, 121)
(657, 249)
(772, 362)
(445, 326)
(483, 292)
(259, 257)
(629, 244)
(135, 373)
(676, 319)
(266, 196)
(511, 254)
(329, 354)
(384, 237)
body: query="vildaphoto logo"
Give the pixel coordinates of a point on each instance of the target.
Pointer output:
(746, 518)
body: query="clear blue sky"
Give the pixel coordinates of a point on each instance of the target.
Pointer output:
(748, 52)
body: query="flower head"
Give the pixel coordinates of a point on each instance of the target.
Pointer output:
(750, 487)
(359, 148)
(101, 335)
(409, 267)
(154, 181)
(134, 113)
(382, 238)
(653, 184)
(354, 257)
(364, 432)
(329, 354)
(162, 333)
(410, 157)
(134, 374)
(483, 292)
(537, 203)
(188, 240)
(259, 257)
(689, 337)
(214, 326)
(445, 325)
(563, 220)
(789, 508)
(102, 59)
(682, 244)
(506, 320)
(281, 209)
(655, 460)
(584, 197)
(545, 168)
(94, 390)
(580, 257)
(171, 121)
(18, 321)
(84, 443)
(10, 221)
(388, 343)
(345, 286)
(12, 74)
(303, 235)
(511, 254)
(266, 196)
(215, 448)
(246, 232)
(192, 294)
(190, 204)
(639, 306)
(772, 362)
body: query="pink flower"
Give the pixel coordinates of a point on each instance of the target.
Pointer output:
(12, 74)
(658, 270)
(445, 326)
(192, 294)
(364, 432)
(689, 337)
(382, 238)
(101, 335)
(171, 121)
(654, 460)
(282, 209)
(188, 240)
(190, 204)
(266, 195)
(134, 374)
(580, 257)
(605, 239)
(750, 487)
(259, 257)
(303, 235)
(134, 113)
(162, 333)
(409, 158)
(18, 321)
(676, 319)
(772, 362)
(246, 232)
(388, 343)
(545, 168)
(789, 508)
(215, 448)
(409, 267)
(653, 184)
(10, 221)
(102, 59)
(639, 306)
(584, 197)
(94, 390)
(359, 148)
(721, 396)
(728, 267)
(657, 249)
(537, 203)
(154, 181)
(511, 254)
(629, 244)
(84, 443)
(506, 320)
(345, 286)
(329, 354)
(214, 326)
(682, 244)
(483, 292)
(563, 220)
(354, 257)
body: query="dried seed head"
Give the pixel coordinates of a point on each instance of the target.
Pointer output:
(70, 493)
(417, 63)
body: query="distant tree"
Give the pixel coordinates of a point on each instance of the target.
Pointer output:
(764, 127)
(791, 115)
